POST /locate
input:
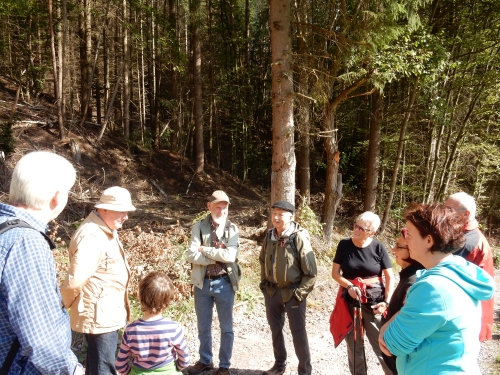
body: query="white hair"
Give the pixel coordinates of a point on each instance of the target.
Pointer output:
(37, 177)
(371, 218)
(466, 202)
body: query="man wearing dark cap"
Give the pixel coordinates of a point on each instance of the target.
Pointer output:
(288, 273)
(213, 253)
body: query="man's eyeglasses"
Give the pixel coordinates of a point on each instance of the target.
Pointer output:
(358, 227)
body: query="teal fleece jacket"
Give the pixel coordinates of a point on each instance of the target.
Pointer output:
(437, 330)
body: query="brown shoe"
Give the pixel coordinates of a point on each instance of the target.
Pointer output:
(275, 370)
(223, 371)
(199, 368)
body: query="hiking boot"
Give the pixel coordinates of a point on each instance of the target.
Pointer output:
(199, 368)
(222, 371)
(275, 370)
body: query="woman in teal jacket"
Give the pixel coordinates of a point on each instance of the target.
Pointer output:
(436, 331)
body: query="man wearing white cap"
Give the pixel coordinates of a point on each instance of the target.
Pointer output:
(215, 274)
(96, 284)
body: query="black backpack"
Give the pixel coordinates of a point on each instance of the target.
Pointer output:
(4, 227)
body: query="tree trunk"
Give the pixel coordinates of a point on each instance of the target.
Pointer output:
(174, 94)
(398, 156)
(199, 152)
(332, 167)
(283, 158)
(333, 189)
(126, 87)
(304, 107)
(54, 68)
(87, 94)
(374, 151)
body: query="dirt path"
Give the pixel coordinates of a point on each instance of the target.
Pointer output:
(253, 350)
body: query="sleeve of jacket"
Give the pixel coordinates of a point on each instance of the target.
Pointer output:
(83, 264)
(262, 259)
(424, 308)
(227, 254)
(307, 264)
(193, 255)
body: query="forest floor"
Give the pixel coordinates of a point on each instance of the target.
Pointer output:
(114, 162)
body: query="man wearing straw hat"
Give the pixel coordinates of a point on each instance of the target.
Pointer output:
(95, 287)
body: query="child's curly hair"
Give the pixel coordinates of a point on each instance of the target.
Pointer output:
(156, 291)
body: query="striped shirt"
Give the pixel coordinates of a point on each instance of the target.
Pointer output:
(152, 344)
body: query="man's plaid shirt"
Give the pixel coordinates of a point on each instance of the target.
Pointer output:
(30, 301)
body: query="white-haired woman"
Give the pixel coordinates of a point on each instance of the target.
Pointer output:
(358, 266)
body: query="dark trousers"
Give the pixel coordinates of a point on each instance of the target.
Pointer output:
(371, 325)
(296, 312)
(101, 353)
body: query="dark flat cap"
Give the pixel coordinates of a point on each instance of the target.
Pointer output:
(284, 205)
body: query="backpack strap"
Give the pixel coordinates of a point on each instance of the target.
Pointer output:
(293, 245)
(11, 355)
(18, 223)
(4, 227)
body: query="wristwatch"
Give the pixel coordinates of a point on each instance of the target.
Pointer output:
(386, 303)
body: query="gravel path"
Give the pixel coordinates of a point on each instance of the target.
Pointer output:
(253, 352)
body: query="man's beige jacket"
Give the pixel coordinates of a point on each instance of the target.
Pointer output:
(95, 288)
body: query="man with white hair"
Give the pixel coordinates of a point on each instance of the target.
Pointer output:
(476, 250)
(287, 274)
(95, 287)
(215, 274)
(35, 337)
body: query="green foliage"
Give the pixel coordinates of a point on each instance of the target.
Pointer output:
(496, 257)
(307, 218)
(201, 216)
(7, 142)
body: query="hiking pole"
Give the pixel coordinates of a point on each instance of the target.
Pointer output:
(361, 330)
(355, 319)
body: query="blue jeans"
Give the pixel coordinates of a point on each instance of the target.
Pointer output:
(220, 292)
(101, 353)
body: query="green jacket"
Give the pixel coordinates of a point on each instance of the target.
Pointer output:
(200, 235)
(295, 273)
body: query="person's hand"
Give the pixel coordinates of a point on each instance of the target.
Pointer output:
(381, 341)
(379, 308)
(200, 249)
(354, 292)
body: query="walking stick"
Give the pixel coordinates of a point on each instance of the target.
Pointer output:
(358, 313)
(355, 329)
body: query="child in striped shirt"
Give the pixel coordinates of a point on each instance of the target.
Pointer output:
(156, 344)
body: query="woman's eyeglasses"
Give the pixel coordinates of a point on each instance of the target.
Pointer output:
(358, 227)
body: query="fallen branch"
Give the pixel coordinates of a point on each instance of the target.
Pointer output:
(154, 183)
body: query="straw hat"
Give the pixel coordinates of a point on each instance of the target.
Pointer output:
(115, 199)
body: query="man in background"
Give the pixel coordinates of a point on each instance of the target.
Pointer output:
(215, 274)
(476, 250)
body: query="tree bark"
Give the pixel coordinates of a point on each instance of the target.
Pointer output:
(199, 152)
(126, 87)
(54, 68)
(304, 107)
(174, 91)
(374, 151)
(283, 158)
